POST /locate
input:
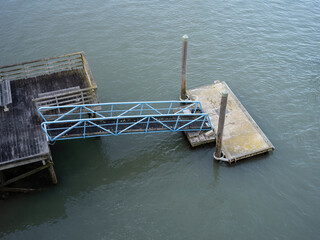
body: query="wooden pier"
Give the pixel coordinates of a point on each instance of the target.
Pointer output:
(53, 85)
(242, 137)
(24, 87)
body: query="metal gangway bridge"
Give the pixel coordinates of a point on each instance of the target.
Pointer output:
(112, 119)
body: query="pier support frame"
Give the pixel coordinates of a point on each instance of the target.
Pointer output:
(53, 175)
(4, 183)
(1, 177)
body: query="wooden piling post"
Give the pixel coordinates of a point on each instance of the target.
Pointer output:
(1, 177)
(27, 174)
(52, 172)
(183, 94)
(222, 115)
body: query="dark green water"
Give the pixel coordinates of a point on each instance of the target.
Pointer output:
(155, 186)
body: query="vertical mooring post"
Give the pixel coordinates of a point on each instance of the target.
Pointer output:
(1, 177)
(183, 94)
(52, 172)
(222, 115)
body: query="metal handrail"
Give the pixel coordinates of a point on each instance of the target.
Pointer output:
(168, 118)
(110, 110)
(47, 66)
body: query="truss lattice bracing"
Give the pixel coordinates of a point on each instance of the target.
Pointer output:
(91, 120)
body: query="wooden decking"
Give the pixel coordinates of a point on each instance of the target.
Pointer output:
(242, 137)
(21, 135)
(22, 140)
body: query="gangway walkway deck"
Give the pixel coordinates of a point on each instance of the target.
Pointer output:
(92, 120)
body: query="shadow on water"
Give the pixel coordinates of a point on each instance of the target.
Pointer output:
(82, 166)
(26, 210)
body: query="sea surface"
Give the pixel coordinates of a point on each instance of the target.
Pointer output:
(155, 186)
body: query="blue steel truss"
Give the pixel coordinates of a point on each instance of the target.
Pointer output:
(103, 119)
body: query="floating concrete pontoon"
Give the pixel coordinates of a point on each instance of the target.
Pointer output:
(242, 137)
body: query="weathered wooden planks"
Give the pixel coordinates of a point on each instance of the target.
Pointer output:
(43, 66)
(66, 79)
(22, 139)
(5, 93)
